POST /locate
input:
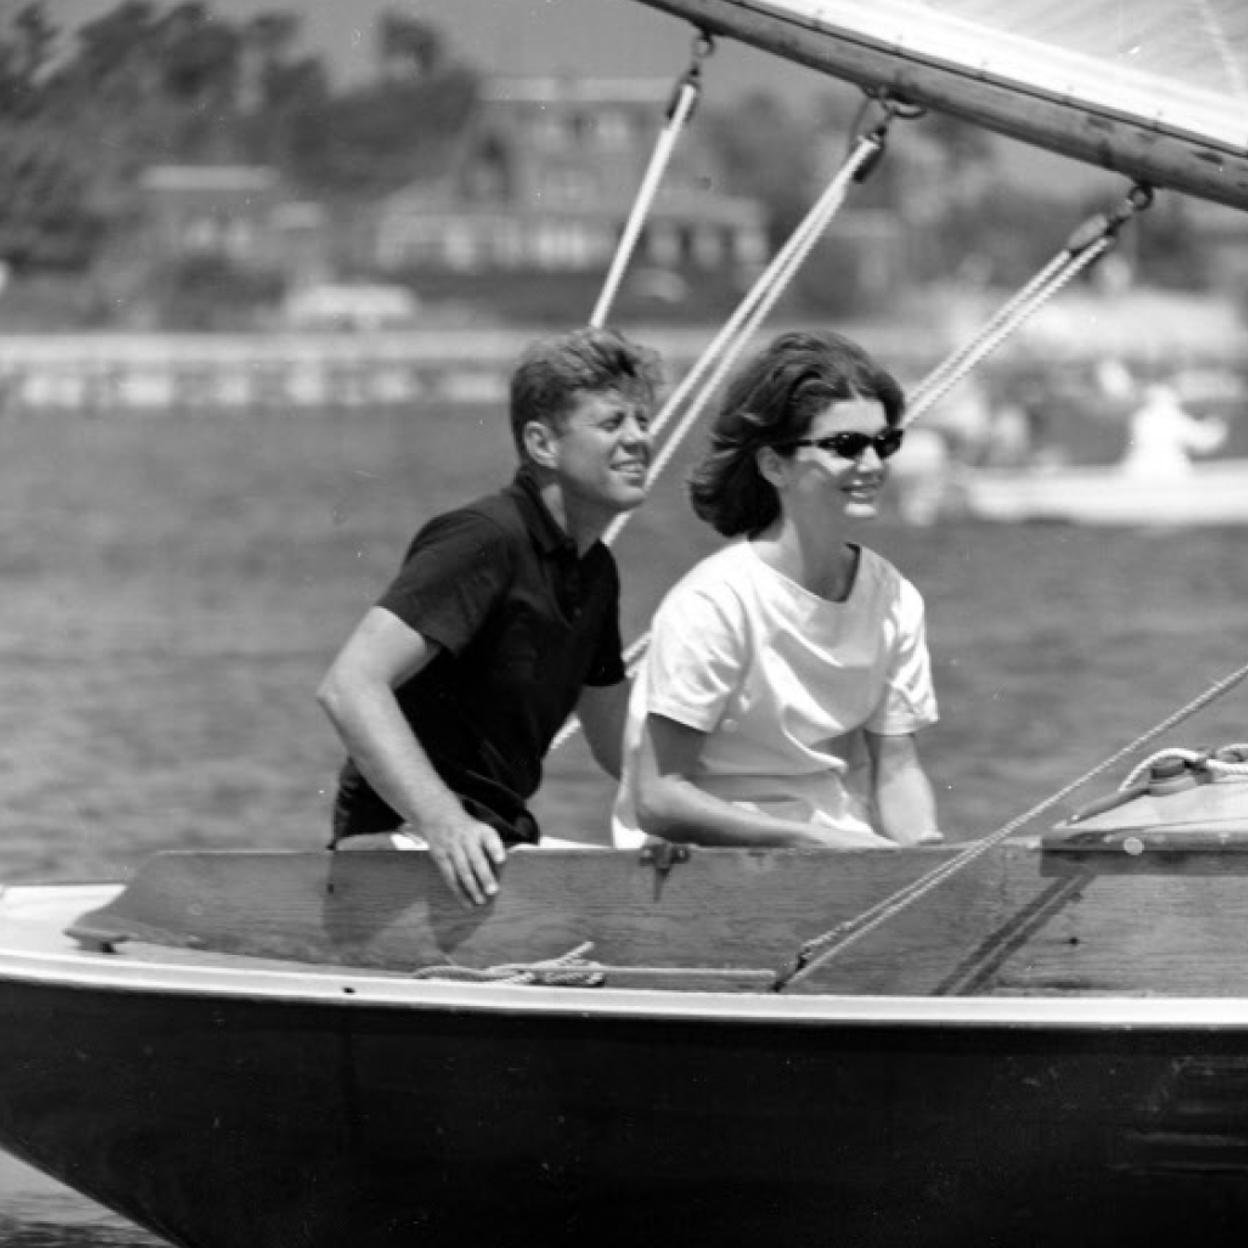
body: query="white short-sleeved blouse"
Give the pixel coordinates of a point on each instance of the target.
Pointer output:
(783, 682)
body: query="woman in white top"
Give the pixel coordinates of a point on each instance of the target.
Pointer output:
(787, 673)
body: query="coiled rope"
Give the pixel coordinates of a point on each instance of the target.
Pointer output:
(571, 970)
(1227, 760)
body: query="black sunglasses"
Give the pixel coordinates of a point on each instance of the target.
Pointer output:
(850, 444)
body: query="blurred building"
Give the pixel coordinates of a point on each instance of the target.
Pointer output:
(243, 215)
(546, 178)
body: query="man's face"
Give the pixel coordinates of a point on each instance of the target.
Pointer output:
(604, 449)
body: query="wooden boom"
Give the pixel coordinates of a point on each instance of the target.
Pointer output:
(1164, 134)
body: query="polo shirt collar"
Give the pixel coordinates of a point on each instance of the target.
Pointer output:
(542, 526)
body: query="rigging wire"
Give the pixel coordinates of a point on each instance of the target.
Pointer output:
(680, 110)
(748, 316)
(821, 949)
(725, 348)
(1091, 240)
(1087, 244)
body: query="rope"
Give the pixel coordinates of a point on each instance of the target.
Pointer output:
(688, 90)
(569, 970)
(725, 348)
(823, 948)
(1078, 254)
(1227, 760)
(745, 320)
(1085, 246)
(952, 363)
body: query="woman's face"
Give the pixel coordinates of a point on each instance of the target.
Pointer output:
(844, 473)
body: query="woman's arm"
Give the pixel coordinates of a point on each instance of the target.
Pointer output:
(904, 800)
(671, 806)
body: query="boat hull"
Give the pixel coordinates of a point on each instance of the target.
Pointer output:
(241, 1048)
(218, 1120)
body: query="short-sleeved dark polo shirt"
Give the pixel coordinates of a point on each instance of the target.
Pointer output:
(522, 624)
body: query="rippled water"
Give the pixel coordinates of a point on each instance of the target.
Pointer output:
(37, 1212)
(173, 590)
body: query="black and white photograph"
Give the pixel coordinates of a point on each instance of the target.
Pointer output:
(623, 623)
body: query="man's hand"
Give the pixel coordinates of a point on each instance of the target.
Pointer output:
(466, 852)
(358, 695)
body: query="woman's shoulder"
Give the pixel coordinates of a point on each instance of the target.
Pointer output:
(717, 579)
(723, 567)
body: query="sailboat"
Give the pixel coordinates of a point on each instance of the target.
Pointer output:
(1157, 99)
(1035, 1039)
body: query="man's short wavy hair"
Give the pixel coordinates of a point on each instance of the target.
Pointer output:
(770, 401)
(552, 372)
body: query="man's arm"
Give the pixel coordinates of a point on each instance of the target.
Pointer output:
(603, 710)
(358, 695)
(904, 800)
(670, 805)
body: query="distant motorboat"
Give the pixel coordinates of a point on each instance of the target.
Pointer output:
(1039, 1041)
(1212, 493)
(1156, 482)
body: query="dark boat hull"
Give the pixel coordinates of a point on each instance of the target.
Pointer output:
(221, 1122)
(1048, 1048)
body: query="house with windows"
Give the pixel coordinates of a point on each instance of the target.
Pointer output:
(240, 214)
(545, 181)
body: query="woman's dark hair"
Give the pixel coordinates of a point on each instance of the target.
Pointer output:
(553, 371)
(770, 401)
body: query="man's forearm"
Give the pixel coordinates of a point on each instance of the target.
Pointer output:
(382, 745)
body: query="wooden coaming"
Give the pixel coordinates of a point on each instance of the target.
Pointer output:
(1018, 920)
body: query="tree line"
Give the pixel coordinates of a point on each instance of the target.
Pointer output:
(82, 113)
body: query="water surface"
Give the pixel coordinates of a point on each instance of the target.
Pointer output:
(174, 588)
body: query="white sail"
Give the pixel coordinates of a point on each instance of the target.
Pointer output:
(1154, 89)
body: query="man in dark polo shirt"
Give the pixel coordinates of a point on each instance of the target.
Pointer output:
(503, 620)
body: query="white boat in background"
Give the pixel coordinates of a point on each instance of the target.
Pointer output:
(1038, 1041)
(1164, 477)
(1210, 493)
